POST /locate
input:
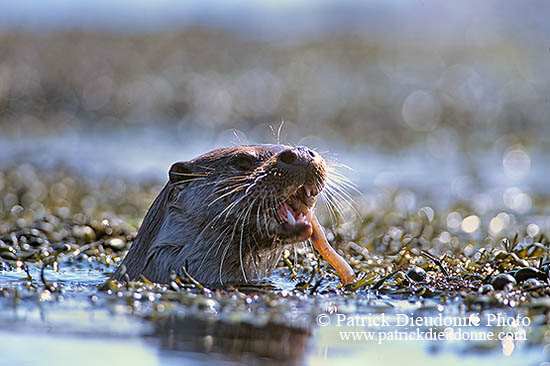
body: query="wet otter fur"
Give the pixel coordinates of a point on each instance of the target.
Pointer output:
(227, 215)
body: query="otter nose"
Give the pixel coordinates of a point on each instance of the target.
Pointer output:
(298, 157)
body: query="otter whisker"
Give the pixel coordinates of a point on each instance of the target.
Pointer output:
(260, 176)
(331, 164)
(259, 207)
(254, 258)
(218, 216)
(342, 191)
(269, 208)
(241, 215)
(184, 182)
(342, 184)
(240, 187)
(266, 217)
(333, 207)
(224, 232)
(250, 186)
(206, 167)
(230, 179)
(328, 207)
(233, 205)
(226, 188)
(220, 182)
(229, 242)
(222, 240)
(180, 174)
(223, 258)
(342, 197)
(334, 199)
(241, 240)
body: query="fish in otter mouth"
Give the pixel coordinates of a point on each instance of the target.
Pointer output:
(228, 215)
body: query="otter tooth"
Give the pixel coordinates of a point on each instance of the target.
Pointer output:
(290, 216)
(308, 191)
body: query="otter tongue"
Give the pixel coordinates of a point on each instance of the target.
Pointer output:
(329, 254)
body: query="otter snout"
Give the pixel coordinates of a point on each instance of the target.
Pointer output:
(297, 158)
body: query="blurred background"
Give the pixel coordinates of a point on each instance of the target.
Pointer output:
(449, 97)
(440, 108)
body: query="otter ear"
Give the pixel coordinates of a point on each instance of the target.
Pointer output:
(180, 171)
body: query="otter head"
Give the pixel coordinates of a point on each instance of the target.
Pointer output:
(262, 195)
(227, 215)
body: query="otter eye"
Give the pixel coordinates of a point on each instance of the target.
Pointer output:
(243, 162)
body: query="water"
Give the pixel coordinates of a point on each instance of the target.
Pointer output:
(438, 169)
(83, 320)
(270, 19)
(458, 106)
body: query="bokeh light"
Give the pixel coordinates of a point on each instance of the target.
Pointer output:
(516, 162)
(470, 224)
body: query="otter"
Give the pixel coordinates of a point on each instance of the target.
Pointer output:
(226, 216)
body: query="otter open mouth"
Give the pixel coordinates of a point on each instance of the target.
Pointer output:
(299, 223)
(296, 213)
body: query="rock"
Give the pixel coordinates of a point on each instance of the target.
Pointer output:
(501, 281)
(116, 243)
(485, 289)
(416, 274)
(531, 283)
(529, 272)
